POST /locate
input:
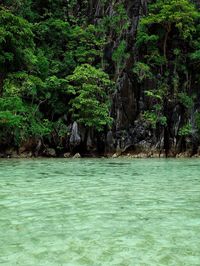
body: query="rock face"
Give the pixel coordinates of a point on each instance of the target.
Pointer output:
(130, 133)
(75, 138)
(126, 100)
(49, 152)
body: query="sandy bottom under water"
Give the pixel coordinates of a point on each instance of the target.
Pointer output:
(120, 212)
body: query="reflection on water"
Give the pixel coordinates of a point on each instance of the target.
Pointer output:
(99, 212)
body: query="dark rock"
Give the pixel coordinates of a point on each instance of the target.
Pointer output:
(89, 142)
(26, 155)
(75, 138)
(110, 141)
(49, 152)
(11, 153)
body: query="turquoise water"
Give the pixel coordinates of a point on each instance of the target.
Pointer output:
(100, 212)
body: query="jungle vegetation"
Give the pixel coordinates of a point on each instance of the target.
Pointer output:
(56, 66)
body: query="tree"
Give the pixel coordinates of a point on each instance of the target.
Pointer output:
(166, 38)
(90, 88)
(172, 15)
(16, 44)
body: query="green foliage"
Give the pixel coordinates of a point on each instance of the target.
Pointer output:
(186, 100)
(166, 17)
(20, 121)
(197, 121)
(172, 13)
(154, 118)
(39, 128)
(90, 103)
(16, 42)
(195, 56)
(64, 46)
(142, 71)
(144, 38)
(167, 38)
(118, 22)
(150, 117)
(153, 95)
(185, 130)
(23, 85)
(86, 44)
(52, 52)
(120, 55)
(37, 59)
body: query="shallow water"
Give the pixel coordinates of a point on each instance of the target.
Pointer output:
(100, 212)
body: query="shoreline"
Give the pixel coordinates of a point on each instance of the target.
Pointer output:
(142, 155)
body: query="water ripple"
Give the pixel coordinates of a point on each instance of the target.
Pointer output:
(99, 212)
